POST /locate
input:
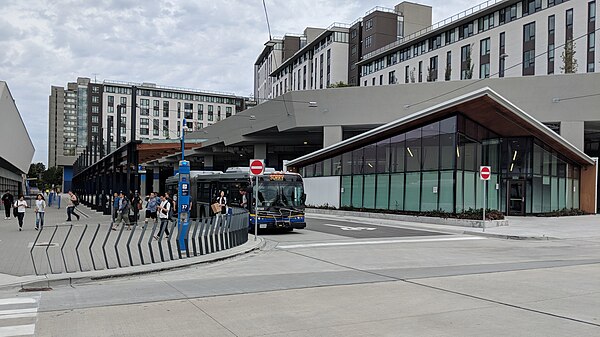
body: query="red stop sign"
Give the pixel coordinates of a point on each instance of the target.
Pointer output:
(485, 172)
(257, 166)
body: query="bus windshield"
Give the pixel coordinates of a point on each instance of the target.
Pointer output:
(280, 194)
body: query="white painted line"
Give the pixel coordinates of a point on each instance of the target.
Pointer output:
(33, 314)
(355, 243)
(17, 300)
(17, 330)
(349, 228)
(18, 311)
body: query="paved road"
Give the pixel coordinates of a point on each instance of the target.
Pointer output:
(316, 283)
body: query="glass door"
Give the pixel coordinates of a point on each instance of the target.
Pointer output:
(516, 197)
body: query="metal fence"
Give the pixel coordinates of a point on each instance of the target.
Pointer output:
(71, 248)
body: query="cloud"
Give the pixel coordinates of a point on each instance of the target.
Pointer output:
(202, 44)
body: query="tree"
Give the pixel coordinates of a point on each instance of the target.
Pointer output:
(431, 74)
(52, 177)
(35, 170)
(469, 65)
(412, 75)
(568, 57)
(448, 72)
(339, 84)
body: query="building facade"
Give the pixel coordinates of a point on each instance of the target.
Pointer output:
(495, 39)
(326, 57)
(16, 148)
(98, 118)
(429, 161)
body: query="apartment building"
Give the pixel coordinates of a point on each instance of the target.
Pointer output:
(494, 39)
(326, 57)
(99, 117)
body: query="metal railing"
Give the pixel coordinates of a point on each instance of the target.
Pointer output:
(71, 248)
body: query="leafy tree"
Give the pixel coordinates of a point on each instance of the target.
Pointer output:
(470, 65)
(412, 75)
(568, 57)
(339, 84)
(35, 170)
(52, 177)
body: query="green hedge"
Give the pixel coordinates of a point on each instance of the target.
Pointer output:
(470, 214)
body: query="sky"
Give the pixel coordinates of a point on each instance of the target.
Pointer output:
(200, 44)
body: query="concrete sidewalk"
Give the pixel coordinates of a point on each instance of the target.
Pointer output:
(17, 267)
(520, 228)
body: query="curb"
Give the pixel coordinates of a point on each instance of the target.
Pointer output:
(411, 218)
(510, 237)
(47, 281)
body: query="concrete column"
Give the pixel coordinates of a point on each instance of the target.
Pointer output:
(572, 131)
(260, 151)
(209, 162)
(332, 135)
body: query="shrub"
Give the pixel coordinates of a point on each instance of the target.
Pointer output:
(470, 214)
(563, 212)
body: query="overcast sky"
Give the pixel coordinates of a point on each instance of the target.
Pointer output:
(201, 44)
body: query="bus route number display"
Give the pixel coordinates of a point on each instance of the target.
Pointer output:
(276, 177)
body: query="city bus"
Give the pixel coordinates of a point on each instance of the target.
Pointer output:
(281, 195)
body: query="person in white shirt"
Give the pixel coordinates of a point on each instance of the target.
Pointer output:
(163, 214)
(40, 210)
(21, 205)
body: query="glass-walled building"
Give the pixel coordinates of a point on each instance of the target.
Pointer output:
(430, 161)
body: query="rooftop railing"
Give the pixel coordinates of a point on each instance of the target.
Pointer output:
(154, 86)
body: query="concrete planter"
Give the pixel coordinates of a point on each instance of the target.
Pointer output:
(411, 218)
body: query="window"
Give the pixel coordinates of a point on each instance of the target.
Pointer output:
(592, 11)
(111, 100)
(551, 24)
(529, 59)
(484, 47)
(529, 32)
(420, 71)
(95, 109)
(94, 119)
(569, 19)
(165, 108)
(95, 99)
(484, 70)
(368, 41)
(448, 71)
(406, 75)
(392, 77)
(210, 113)
(369, 24)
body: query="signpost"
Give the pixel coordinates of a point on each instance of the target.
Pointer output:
(183, 201)
(485, 172)
(257, 167)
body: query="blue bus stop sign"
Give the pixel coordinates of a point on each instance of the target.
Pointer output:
(183, 202)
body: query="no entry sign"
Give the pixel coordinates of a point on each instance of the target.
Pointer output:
(485, 172)
(257, 166)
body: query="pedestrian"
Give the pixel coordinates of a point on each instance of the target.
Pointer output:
(244, 198)
(152, 207)
(21, 205)
(40, 211)
(136, 205)
(222, 201)
(71, 204)
(8, 200)
(172, 208)
(115, 206)
(122, 212)
(163, 214)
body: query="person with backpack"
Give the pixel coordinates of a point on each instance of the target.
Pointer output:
(71, 204)
(122, 212)
(40, 211)
(8, 200)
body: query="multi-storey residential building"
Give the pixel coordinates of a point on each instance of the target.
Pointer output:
(496, 38)
(328, 56)
(101, 117)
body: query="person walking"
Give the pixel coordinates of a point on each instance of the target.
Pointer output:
(136, 206)
(40, 211)
(163, 214)
(152, 207)
(8, 201)
(21, 205)
(222, 201)
(122, 212)
(71, 204)
(115, 206)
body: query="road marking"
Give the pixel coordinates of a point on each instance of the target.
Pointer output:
(33, 314)
(17, 330)
(17, 300)
(350, 228)
(17, 311)
(355, 243)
